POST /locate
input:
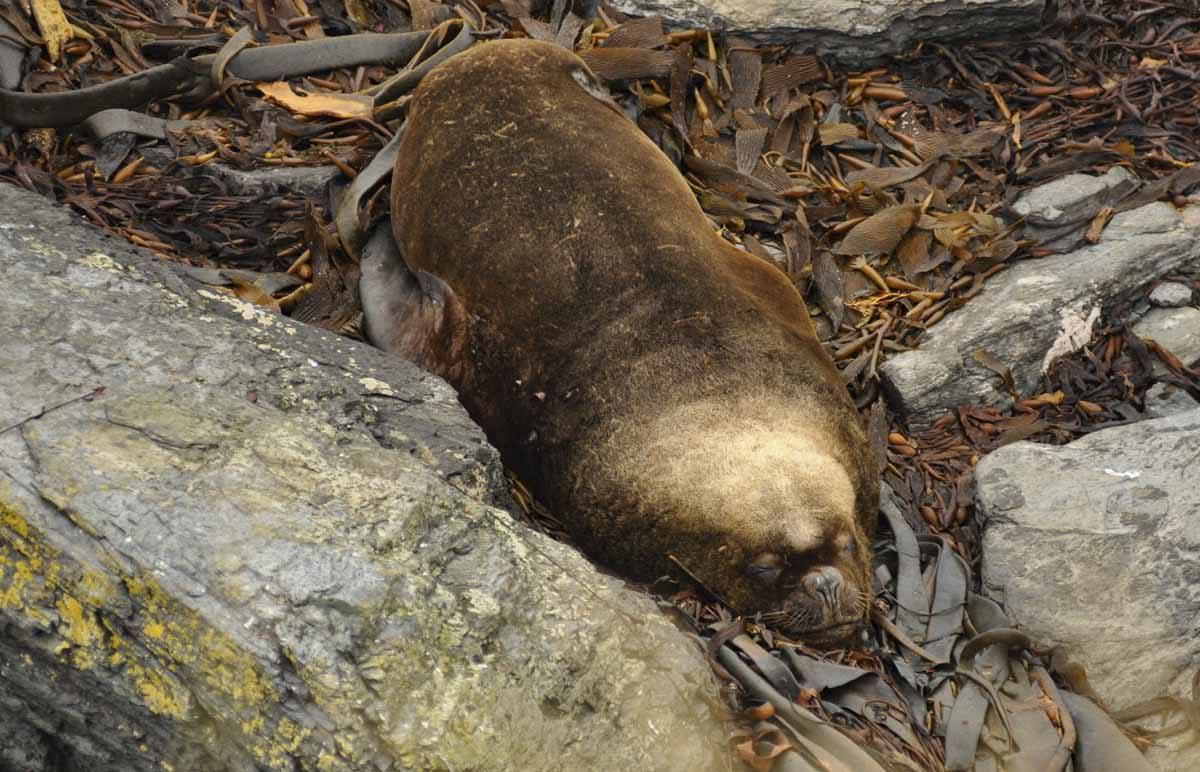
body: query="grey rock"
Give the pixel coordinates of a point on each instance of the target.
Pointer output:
(266, 547)
(22, 745)
(1037, 311)
(1175, 329)
(1092, 546)
(846, 31)
(1057, 214)
(1163, 399)
(1171, 294)
(1070, 197)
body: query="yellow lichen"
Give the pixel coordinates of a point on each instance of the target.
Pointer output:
(146, 591)
(231, 671)
(160, 694)
(17, 578)
(78, 626)
(276, 749)
(79, 629)
(31, 581)
(176, 638)
(21, 561)
(248, 311)
(116, 645)
(177, 635)
(12, 519)
(291, 734)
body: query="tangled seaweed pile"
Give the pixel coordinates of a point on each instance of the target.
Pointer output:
(884, 194)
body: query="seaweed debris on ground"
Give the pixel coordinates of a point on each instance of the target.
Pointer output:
(884, 194)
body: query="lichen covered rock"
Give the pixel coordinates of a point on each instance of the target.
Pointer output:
(228, 541)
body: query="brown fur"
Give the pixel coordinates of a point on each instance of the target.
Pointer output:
(661, 390)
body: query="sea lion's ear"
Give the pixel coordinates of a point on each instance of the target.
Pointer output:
(415, 315)
(765, 568)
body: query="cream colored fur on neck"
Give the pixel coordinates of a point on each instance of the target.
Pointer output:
(763, 463)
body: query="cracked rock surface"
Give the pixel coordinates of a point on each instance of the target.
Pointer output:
(264, 547)
(1038, 310)
(846, 31)
(1093, 546)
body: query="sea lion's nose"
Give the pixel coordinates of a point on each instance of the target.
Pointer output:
(823, 583)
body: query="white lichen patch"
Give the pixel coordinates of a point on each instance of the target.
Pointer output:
(376, 386)
(515, 540)
(1074, 330)
(273, 350)
(39, 247)
(101, 261)
(1036, 280)
(248, 311)
(170, 297)
(481, 603)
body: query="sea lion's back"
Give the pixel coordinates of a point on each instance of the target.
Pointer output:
(517, 172)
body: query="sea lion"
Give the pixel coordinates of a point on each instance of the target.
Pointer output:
(661, 390)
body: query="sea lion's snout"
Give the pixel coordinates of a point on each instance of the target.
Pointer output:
(805, 597)
(817, 591)
(824, 606)
(824, 585)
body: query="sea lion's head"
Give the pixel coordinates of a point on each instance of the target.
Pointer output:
(816, 589)
(762, 505)
(796, 555)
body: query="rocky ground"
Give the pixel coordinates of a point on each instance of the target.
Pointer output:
(998, 241)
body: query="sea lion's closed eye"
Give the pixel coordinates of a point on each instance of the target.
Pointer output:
(766, 568)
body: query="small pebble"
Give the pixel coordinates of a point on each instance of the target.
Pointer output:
(1171, 294)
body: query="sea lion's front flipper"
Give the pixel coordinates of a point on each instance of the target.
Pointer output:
(413, 314)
